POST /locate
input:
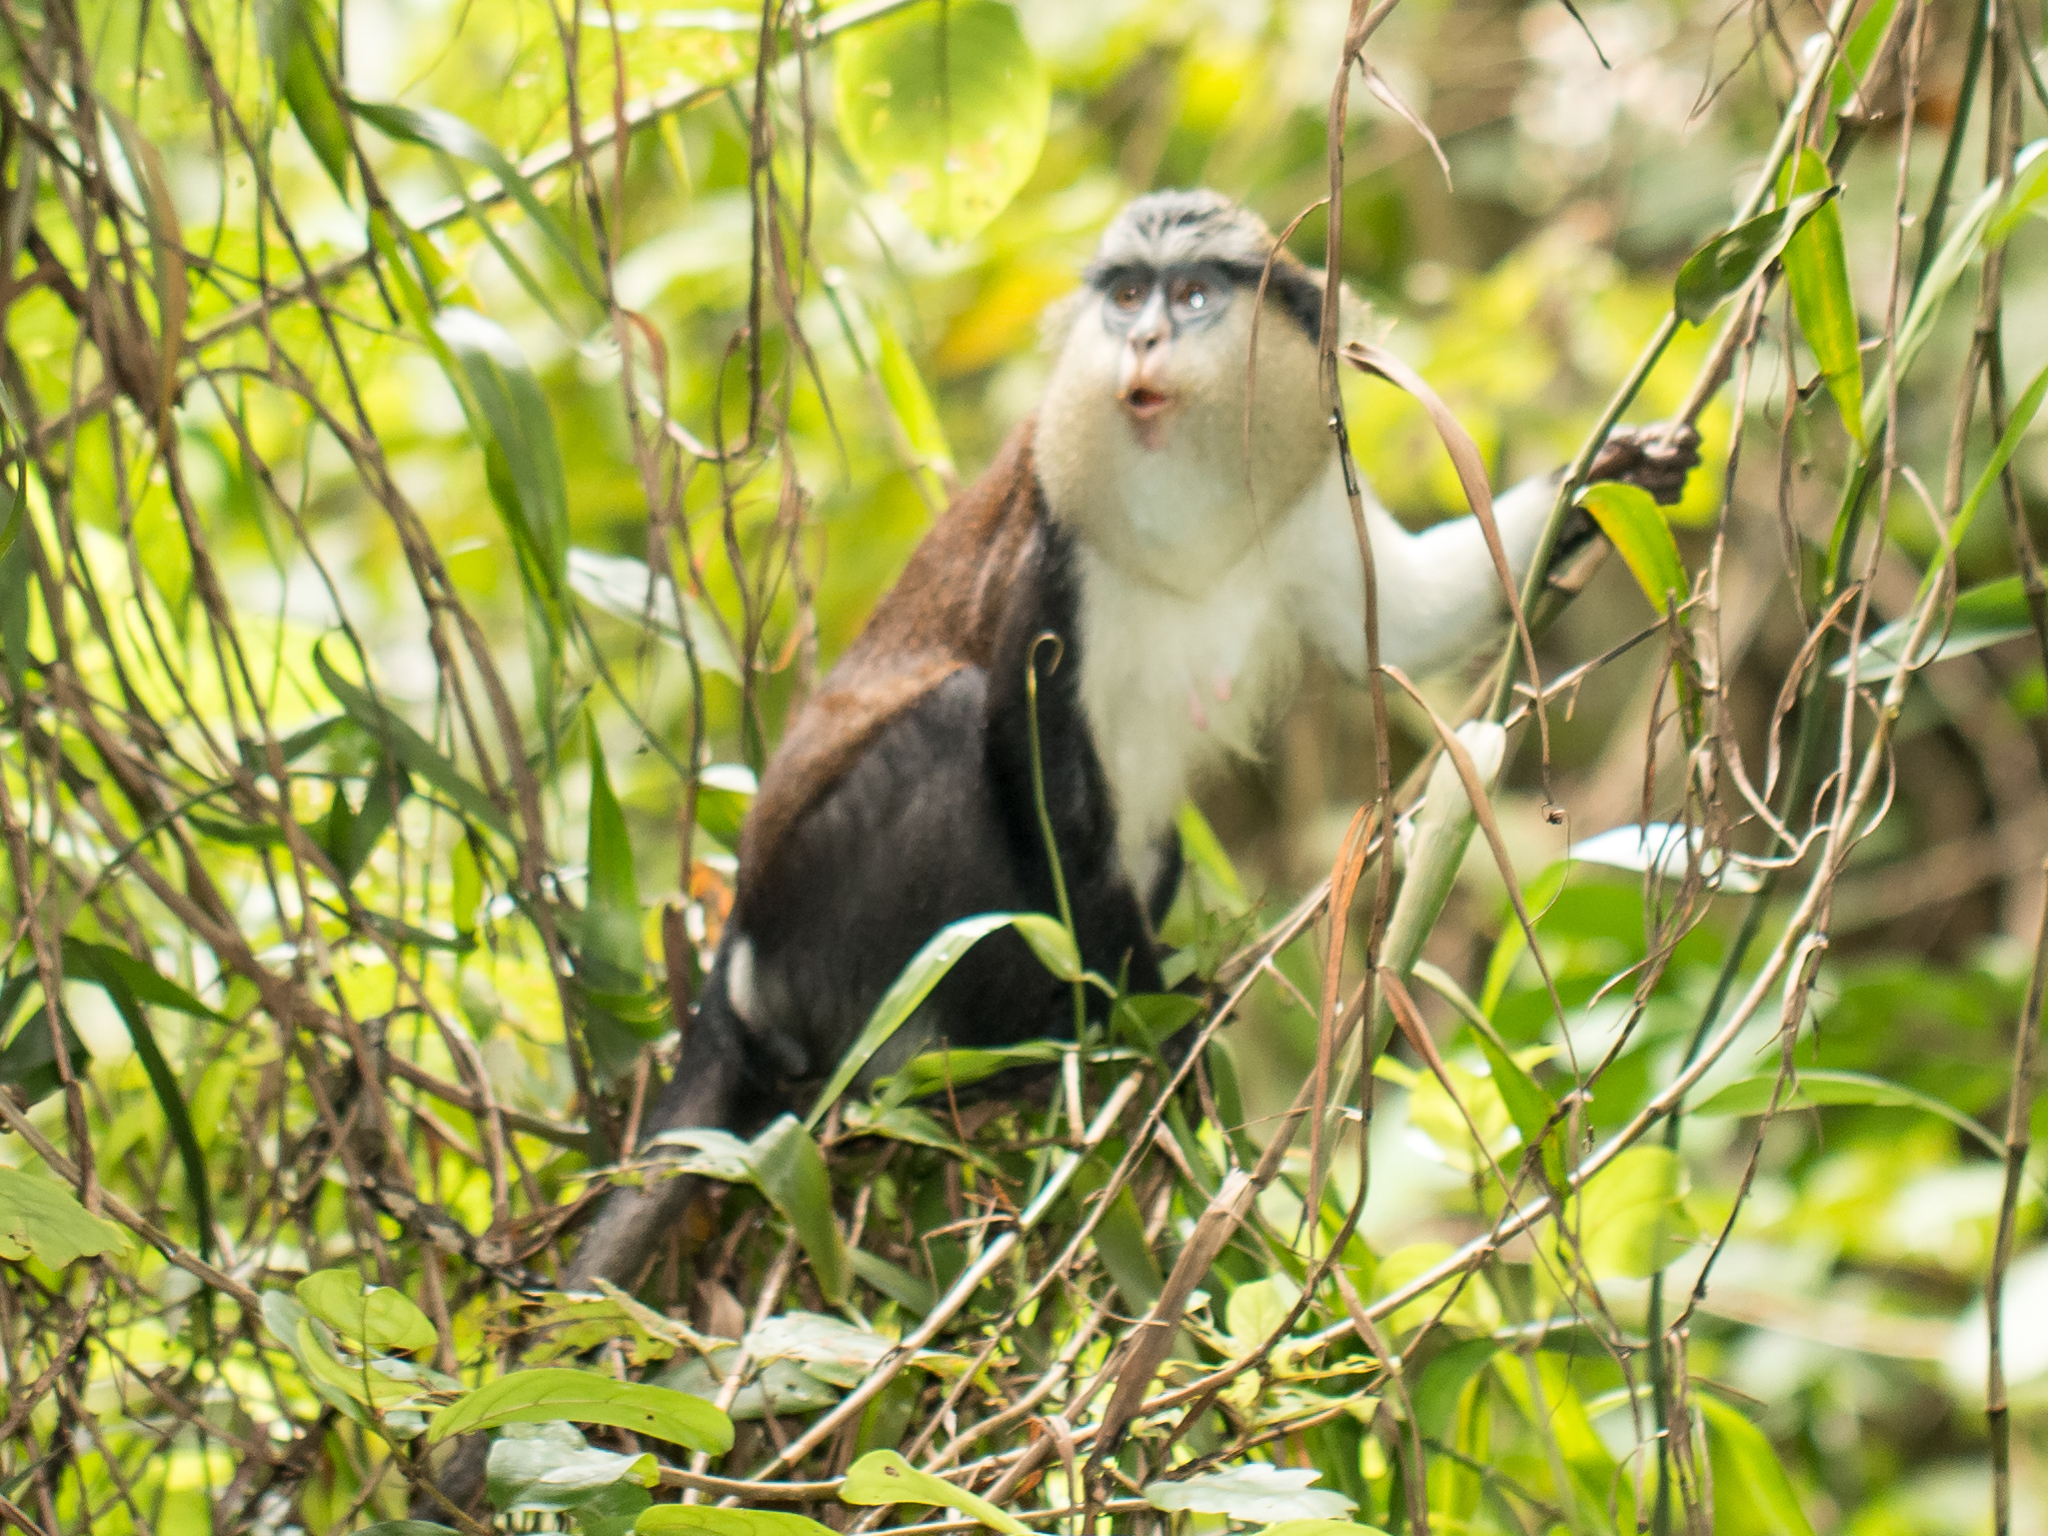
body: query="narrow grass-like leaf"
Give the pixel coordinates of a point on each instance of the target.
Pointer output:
(1629, 517)
(16, 532)
(1815, 1086)
(412, 749)
(431, 128)
(884, 1477)
(927, 968)
(1962, 243)
(166, 257)
(1984, 616)
(163, 1082)
(303, 52)
(611, 929)
(583, 1397)
(1725, 265)
(1666, 847)
(523, 459)
(2029, 186)
(1858, 51)
(675, 1519)
(1817, 270)
(790, 1171)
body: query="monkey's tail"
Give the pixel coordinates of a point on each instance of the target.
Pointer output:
(631, 1223)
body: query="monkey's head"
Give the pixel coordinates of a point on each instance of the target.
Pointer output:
(1143, 434)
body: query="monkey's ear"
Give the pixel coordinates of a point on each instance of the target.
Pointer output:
(1057, 318)
(1356, 319)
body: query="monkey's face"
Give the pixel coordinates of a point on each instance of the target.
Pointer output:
(1168, 328)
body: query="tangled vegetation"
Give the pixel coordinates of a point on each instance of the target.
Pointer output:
(441, 441)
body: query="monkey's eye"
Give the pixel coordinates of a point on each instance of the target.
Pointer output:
(1194, 295)
(1129, 294)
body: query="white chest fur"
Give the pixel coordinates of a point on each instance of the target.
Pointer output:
(1172, 684)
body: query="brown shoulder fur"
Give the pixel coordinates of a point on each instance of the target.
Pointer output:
(944, 613)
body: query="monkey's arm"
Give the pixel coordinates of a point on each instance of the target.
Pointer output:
(1439, 589)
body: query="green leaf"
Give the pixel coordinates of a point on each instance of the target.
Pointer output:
(1631, 1217)
(406, 1528)
(1050, 941)
(906, 1122)
(790, 1171)
(1955, 253)
(302, 48)
(1752, 1096)
(1752, 1494)
(1531, 1108)
(1725, 265)
(894, 1281)
(431, 128)
(1634, 526)
(1858, 51)
(465, 886)
(835, 1352)
(409, 747)
(378, 1382)
(1321, 1528)
(665, 1519)
(534, 1397)
(1257, 1308)
(1202, 848)
(85, 961)
(552, 1467)
(944, 108)
(1444, 1379)
(937, 1071)
(927, 968)
(883, 1477)
(374, 1318)
(111, 970)
(15, 536)
(29, 1061)
(1665, 846)
(624, 588)
(40, 1216)
(1817, 269)
(2029, 186)
(522, 458)
(904, 388)
(1256, 1490)
(611, 928)
(1984, 616)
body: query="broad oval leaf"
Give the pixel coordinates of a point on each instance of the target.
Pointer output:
(1629, 517)
(376, 1318)
(664, 1519)
(551, 1466)
(1630, 1217)
(1817, 270)
(1752, 1494)
(1255, 1491)
(552, 1392)
(944, 108)
(884, 1477)
(39, 1216)
(1443, 1382)
(1724, 266)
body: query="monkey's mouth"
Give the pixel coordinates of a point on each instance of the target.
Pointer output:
(1147, 404)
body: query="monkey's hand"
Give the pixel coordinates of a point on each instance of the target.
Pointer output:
(1655, 458)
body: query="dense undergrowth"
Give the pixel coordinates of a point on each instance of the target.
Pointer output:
(441, 442)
